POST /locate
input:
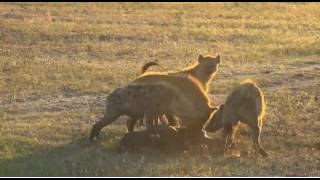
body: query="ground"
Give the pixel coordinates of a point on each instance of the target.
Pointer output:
(58, 61)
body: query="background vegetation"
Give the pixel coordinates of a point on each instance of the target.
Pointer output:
(58, 61)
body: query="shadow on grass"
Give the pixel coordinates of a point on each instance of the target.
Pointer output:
(82, 158)
(79, 158)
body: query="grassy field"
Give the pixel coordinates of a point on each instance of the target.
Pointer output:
(58, 61)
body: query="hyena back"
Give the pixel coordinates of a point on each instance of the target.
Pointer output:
(203, 70)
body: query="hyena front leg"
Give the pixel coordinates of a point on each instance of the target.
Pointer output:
(228, 134)
(157, 119)
(131, 123)
(150, 120)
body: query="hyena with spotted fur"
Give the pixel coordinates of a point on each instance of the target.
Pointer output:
(245, 104)
(154, 94)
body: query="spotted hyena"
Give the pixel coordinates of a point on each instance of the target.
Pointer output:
(245, 104)
(154, 94)
(203, 70)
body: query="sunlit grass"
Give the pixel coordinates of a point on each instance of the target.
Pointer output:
(58, 62)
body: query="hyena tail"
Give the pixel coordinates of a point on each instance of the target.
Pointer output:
(146, 66)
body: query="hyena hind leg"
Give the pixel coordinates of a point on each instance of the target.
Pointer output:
(106, 120)
(256, 131)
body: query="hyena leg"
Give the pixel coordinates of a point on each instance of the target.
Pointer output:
(171, 120)
(106, 120)
(150, 117)
(234, 130)
(155, 122)
(228, 134)
(162, 120)
(140, 122)
(131, 123)
(256, 130)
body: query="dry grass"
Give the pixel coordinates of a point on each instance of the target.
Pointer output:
(58, 61)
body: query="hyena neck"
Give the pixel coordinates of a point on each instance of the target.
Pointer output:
(206, 82)
(197, 73)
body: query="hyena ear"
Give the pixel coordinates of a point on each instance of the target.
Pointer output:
(200, 58)
(218, 59)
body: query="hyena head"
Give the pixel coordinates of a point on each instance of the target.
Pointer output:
(216, 121)
(208, 66)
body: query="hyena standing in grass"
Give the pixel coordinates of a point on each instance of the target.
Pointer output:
(245, 104)
(133, 101)
(203, 70)
(154, 94)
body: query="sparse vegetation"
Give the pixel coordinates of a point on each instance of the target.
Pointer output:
(58, 62)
